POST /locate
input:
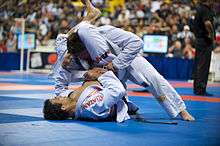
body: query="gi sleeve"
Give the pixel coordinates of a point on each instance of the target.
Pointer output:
(61, 48)
(61, 76)
(62, 80)
(61, 44)
(113, 90)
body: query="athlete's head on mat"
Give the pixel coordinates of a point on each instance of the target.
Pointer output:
(60, 108)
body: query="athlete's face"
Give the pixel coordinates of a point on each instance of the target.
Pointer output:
(68, 104)
(64, 101)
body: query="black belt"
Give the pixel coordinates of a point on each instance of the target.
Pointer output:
(103, 56)
(113, 113)
(140, 118)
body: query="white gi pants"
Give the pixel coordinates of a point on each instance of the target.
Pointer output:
(141, 72)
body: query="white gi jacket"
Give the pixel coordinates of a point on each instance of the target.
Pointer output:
(96, 102)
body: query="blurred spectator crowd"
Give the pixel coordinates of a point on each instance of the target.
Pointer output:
(47, 18)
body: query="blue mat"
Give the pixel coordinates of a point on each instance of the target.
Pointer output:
(22, 123)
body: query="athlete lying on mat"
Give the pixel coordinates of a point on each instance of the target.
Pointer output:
(101, 97)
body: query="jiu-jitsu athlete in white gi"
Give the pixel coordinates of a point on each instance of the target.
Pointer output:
(118, 50)
(70, 68)
(99, 98)
(64, 72)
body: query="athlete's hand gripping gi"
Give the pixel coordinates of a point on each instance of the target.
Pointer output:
(93, 74)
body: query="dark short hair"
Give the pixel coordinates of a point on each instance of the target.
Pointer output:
(204, 1)
(74, 44)
(54, 111)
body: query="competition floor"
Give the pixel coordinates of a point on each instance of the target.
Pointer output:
(21, 122)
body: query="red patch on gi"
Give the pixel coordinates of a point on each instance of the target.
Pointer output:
(93, 101)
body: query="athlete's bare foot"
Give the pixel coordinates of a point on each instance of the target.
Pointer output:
(92, 12)
(186, 116)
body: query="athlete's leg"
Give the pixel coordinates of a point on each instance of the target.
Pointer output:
(92, 12)
(144, 74)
